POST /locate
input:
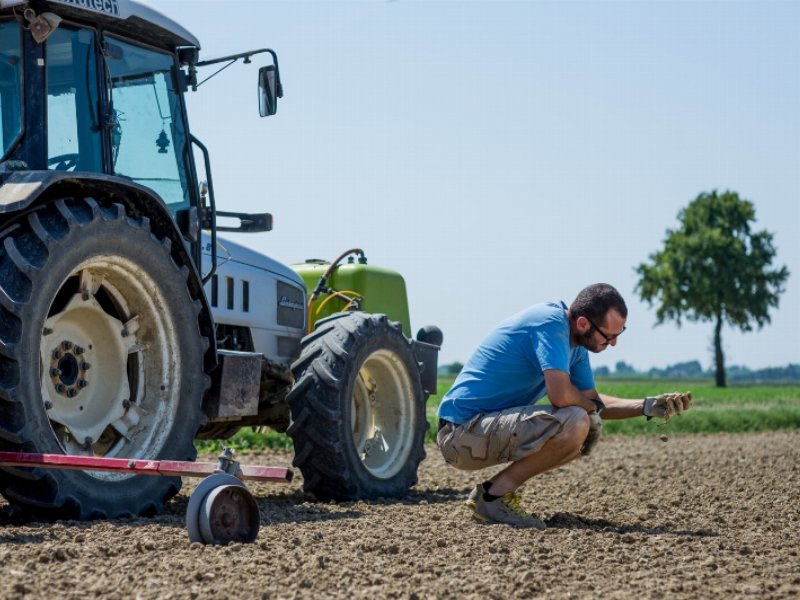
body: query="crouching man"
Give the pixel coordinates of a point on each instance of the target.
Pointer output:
(489, 416)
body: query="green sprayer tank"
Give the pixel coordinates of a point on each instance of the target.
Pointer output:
(382, 290)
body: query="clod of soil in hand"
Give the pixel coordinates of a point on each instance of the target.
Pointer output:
(663, 438)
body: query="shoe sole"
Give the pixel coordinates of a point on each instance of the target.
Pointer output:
(485, 521)
(482, 520)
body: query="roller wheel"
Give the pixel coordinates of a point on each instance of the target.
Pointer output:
(358, 409)
(100, 354)
(222, 510)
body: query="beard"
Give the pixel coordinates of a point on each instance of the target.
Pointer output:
(587, 340)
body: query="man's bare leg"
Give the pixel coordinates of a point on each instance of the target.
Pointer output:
(559, 450)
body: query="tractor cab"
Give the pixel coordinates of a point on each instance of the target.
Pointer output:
(98, 88)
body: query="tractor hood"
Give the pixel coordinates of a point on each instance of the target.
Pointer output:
(233, 252)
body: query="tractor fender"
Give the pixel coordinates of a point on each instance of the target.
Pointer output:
(23, 190)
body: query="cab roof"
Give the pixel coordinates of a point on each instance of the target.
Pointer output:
(136, 20)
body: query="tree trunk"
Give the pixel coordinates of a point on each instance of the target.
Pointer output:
(719, 358)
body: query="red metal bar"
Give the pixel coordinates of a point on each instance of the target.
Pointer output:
(166, 468)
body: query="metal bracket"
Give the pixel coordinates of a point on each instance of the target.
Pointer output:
(227, 464)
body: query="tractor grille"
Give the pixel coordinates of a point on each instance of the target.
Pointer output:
(291, 306)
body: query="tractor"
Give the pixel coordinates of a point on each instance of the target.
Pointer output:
(128, 328)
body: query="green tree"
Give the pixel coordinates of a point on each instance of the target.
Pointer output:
(623, 368)
(714, 268)
(602, 371)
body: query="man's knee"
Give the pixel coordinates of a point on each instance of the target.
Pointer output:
(575, 424)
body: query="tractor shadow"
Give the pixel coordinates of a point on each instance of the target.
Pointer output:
(285, 507)
(22, 538)
(18, 527)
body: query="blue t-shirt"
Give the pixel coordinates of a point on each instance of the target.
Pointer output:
(508, 367)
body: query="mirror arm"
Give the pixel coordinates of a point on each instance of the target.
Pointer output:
(232, 58)
(244, 55)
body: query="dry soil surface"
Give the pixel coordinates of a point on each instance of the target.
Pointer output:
(713, 516)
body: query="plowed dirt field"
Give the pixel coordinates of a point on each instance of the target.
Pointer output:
(712, 516)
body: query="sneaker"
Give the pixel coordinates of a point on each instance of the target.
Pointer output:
(505, 510)
(472, 499)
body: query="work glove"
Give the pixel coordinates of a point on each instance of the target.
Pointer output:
(666, 405)
(595, 429)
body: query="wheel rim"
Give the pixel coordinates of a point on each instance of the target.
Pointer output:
(107, 349)
(382, 414)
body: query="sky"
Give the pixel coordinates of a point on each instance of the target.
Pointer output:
(500, 154)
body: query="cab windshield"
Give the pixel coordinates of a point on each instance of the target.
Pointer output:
(148, 139)
(10, 84)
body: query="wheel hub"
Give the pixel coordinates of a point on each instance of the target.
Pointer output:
(382, 413)
(74, 340)
(68, 369)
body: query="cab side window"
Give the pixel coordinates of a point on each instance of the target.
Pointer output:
(73, 123)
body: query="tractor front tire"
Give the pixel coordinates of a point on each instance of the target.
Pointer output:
(358, 409)
(101, 354)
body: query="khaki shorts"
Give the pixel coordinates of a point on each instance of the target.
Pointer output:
(505, 436)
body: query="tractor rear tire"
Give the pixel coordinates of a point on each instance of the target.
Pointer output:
(101, 354)
(358, 409)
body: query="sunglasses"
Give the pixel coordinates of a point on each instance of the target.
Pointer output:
(608, 338)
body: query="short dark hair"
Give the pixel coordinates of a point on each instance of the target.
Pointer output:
(595, 301)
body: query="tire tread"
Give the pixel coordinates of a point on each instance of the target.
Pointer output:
(323, 374)
(25, 249)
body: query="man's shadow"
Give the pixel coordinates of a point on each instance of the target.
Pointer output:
(565, 520)
(560, 520)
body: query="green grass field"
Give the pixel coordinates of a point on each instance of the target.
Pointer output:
(734, 409)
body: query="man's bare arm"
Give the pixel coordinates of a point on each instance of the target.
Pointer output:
(621, 408)
(562, 393)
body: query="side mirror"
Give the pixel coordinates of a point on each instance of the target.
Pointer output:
(268, 90)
